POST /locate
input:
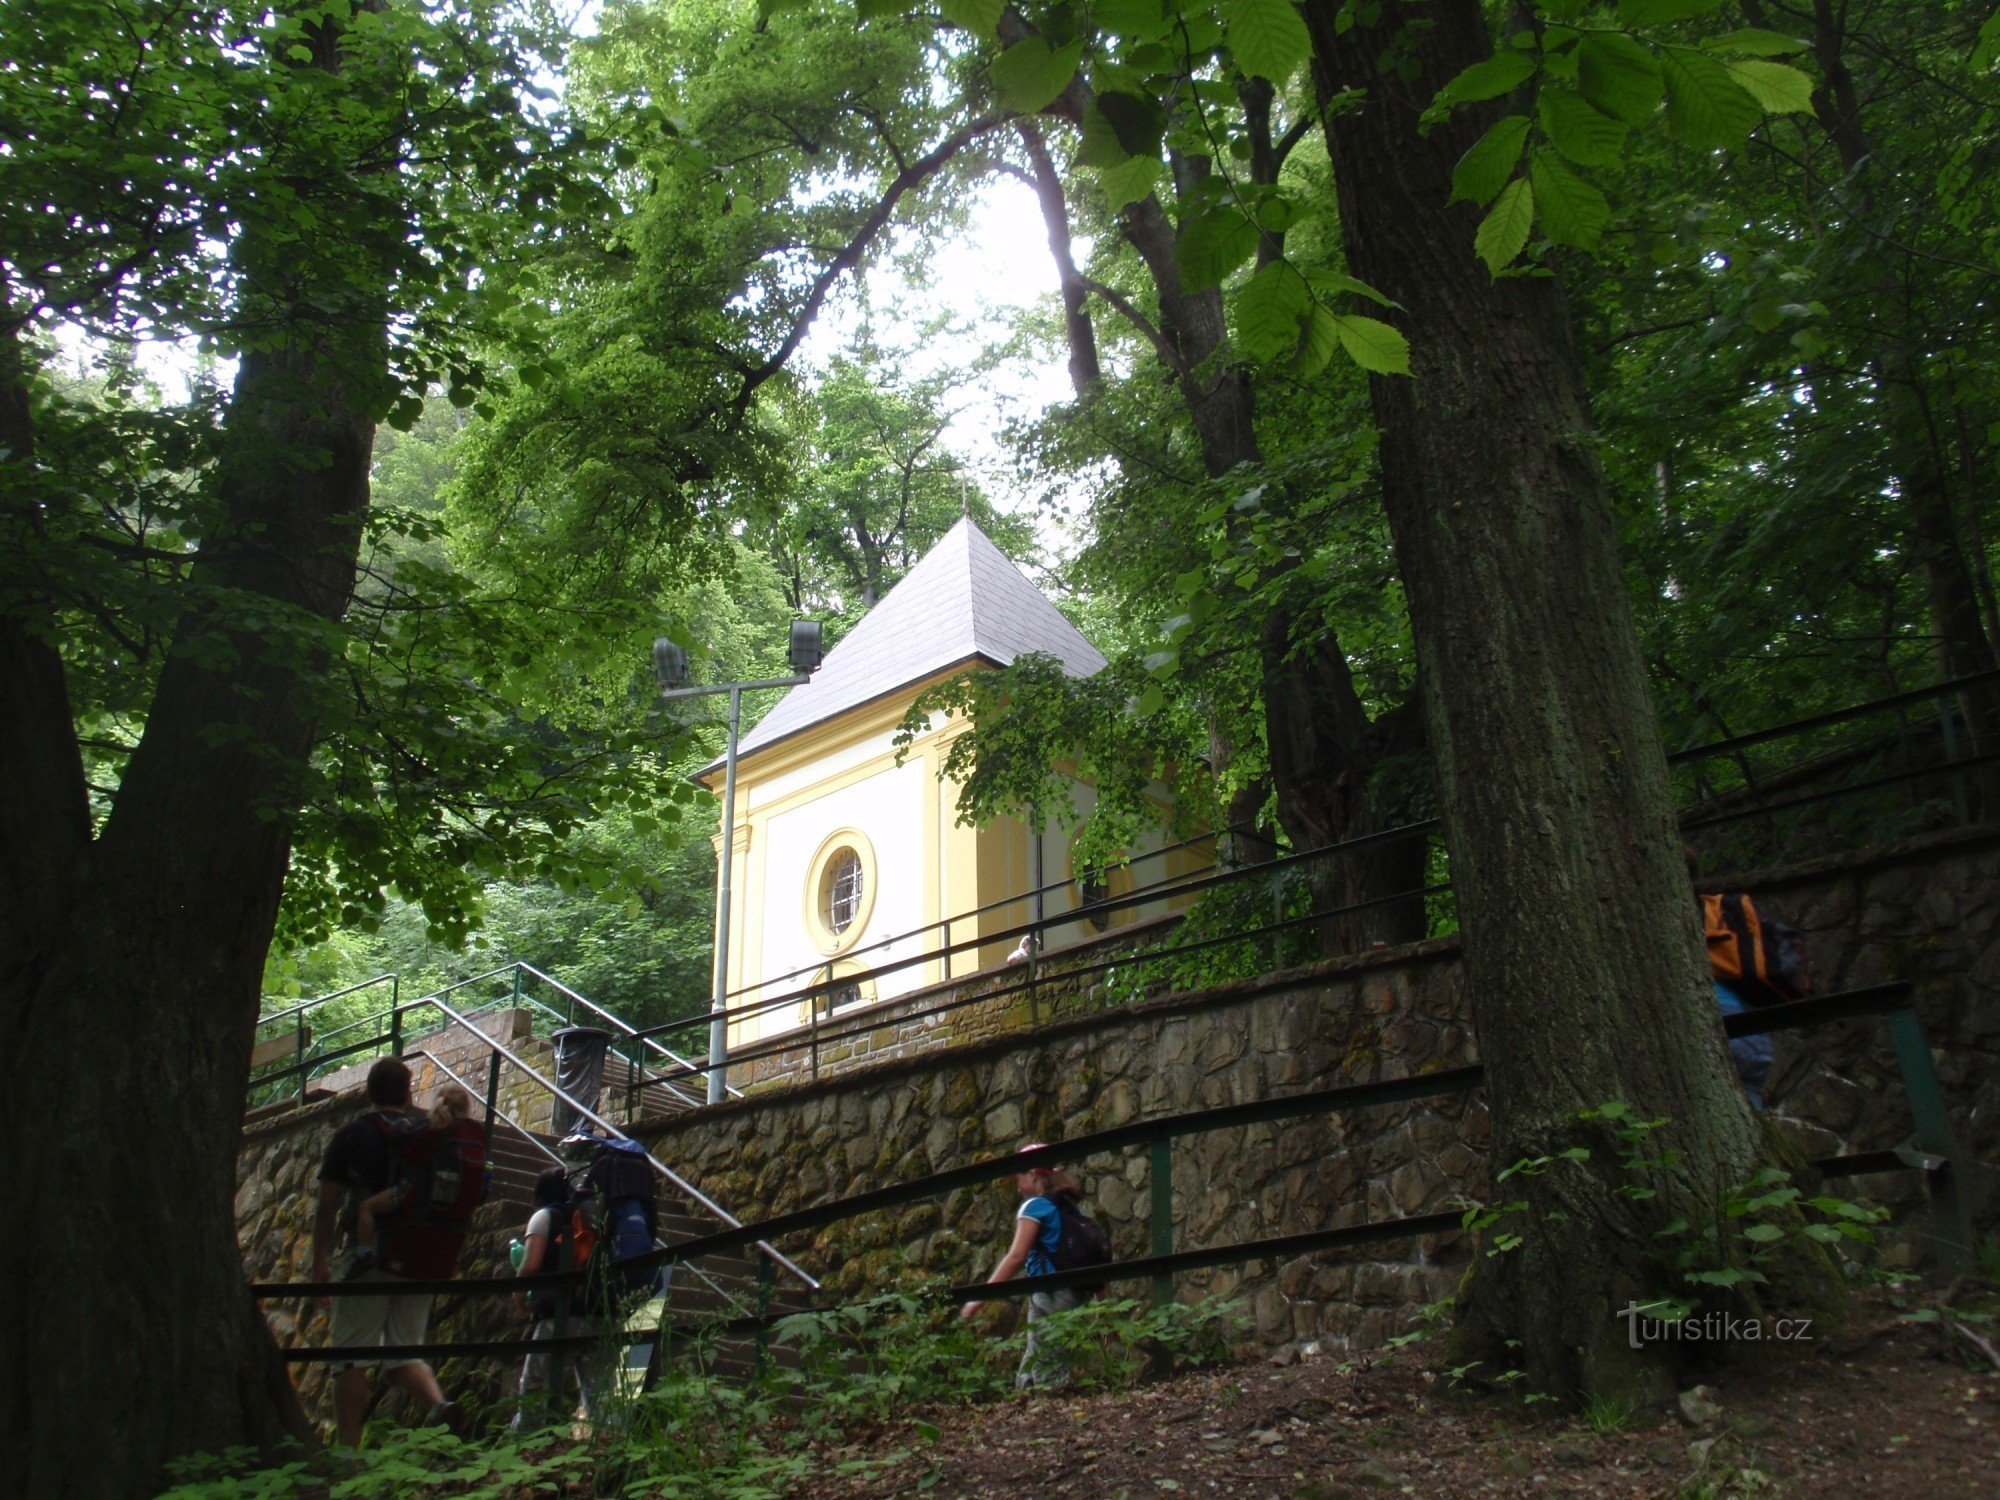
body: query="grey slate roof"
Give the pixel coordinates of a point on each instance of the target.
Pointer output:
(964, 601)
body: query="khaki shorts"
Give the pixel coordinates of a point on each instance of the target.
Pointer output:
(379, 1320)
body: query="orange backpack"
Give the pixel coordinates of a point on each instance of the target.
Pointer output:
(1762, 961)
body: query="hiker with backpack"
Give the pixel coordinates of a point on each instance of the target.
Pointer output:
(549, 1245)
(600, 1218)
(1753, 962)
(453, 1105)
(1051, 1233)
(366, 1157)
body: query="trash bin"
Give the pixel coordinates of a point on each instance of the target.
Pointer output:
(580, 1054)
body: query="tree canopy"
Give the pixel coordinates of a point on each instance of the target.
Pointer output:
(1466, 400)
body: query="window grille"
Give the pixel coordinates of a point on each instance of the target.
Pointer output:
(842, 899)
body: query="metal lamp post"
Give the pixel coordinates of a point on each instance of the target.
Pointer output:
(670, 670)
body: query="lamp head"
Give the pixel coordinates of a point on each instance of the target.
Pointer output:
(806, 651)
(670, 665)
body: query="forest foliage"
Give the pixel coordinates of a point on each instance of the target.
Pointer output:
(606, 430)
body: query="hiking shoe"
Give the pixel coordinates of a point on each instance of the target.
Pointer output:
(450, 1416)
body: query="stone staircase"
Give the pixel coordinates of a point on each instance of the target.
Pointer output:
(715, 1287)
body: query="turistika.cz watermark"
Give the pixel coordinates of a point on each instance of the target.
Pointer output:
(1708, 1327)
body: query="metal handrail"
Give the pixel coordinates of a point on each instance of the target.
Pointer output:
(536, 1141)
(591, 1115)
(303, 1005)
(1029, 894)
(619, 1022)
(1181, 886)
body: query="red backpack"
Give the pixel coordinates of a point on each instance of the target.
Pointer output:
(444, 1178)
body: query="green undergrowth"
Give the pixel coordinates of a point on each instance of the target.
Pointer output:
(845, 1374)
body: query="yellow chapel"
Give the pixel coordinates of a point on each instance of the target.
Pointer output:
(851, 866)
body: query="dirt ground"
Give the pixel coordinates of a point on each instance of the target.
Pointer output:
(1892, 1409)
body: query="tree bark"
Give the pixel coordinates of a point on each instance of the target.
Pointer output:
(126, 1023)
(1585, 972)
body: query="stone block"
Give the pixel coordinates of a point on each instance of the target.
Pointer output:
(1003, 1126)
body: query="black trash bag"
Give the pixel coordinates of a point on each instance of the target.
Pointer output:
(580, 1054)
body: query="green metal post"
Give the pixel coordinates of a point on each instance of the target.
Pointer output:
(763, 1311)
(1163, 1213)
(1949, 1227)
(395, 1015)
(299, 1047)
(492, 1099)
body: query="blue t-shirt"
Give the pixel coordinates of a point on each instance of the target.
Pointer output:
(1041, 1254)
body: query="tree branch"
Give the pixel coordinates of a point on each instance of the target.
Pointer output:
(911, 177)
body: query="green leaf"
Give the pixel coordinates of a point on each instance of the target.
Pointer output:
(1987, 49)
(1499, 74)
(1780, 89)
(1763, 1234)
(1029, 75)
(1373, 345)
(875, 10)
(1653, 12)
(1618, 75)
(1755, 43)
(1706, 108)
(1267, 36)
(1269, 311)
(1138, 120)
(1100, 146)
(1573, 212)
(1490, 161)
(980, 17)
(1340, 282)
(1140, 20)
(1317, 342)
(1503, 233)
(1584, 134)
(1128, 182)
(1214, 243)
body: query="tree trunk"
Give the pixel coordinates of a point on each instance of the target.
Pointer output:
(1325, 757)
(1323, 750)
(1584, 968)
(126, 1019)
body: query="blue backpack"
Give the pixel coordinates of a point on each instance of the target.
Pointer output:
(615, 1211)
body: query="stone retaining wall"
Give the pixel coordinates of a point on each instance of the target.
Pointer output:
(1928, 911)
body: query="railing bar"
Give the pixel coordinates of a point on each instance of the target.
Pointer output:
(1807, 799)
(322, 999)
(1836, 716)
(596, 1119)
(782, 1044)
(1275, 1248)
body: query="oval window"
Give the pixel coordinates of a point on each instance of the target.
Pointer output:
(840, 891)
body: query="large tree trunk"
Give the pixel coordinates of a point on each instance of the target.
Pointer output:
(1584, 968)
(126, 1011)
